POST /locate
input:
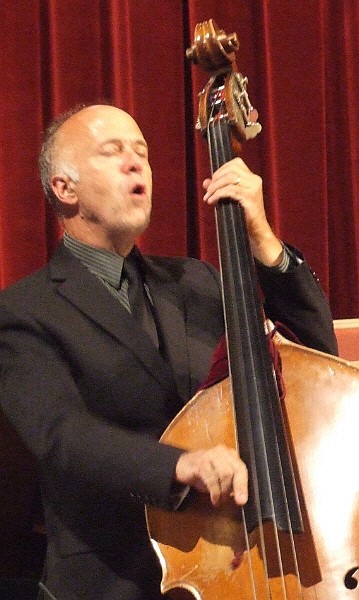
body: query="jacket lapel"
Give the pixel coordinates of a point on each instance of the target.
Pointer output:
(170, 310)
(80, 287)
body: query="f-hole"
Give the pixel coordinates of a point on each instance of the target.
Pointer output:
(351, 578)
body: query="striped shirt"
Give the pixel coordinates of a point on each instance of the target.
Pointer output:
(106, 265)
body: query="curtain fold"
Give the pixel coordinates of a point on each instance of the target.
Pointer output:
(302, 64)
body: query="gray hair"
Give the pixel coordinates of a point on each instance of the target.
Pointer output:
(49, 162)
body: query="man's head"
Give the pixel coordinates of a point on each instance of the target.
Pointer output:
(95, 171)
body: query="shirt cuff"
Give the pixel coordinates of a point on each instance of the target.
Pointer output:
(289, 261)
(178, 493)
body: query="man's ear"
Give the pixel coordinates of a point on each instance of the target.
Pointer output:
(64, 189)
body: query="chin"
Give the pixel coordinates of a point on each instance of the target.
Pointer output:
(143, 221)
(141, 230)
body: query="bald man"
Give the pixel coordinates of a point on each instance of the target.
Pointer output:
(90, 387)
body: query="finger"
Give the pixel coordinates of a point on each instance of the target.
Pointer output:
(240, 485)
(206, 183)
(215, 493)
(235, 192)
(224, 465)
(212, 482)
(232, 475)
(222, 179)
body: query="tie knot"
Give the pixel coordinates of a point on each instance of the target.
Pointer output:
(130, 270)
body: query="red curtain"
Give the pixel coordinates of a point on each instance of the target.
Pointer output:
(302, 63)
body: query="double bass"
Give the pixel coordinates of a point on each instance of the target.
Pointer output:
(297, 538)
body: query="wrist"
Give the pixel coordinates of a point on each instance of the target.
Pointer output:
(268, 250)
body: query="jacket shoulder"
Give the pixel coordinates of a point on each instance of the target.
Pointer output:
(180, 267)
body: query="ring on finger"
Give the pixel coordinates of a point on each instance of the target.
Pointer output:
(237, 181)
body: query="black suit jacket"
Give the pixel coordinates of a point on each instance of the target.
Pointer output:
(90, 395)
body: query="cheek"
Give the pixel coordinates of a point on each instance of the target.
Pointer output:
(90, 187)
(107, 196)
(147, 176)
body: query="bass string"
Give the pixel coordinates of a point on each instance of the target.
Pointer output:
(218, 149)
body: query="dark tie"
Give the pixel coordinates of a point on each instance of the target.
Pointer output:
(139, 302)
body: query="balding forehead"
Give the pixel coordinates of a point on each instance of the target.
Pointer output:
(96, 118)
(101, 112)
(89, 129)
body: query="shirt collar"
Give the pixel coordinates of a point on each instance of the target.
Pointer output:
(103, 263)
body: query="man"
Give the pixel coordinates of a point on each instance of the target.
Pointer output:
(89, 390)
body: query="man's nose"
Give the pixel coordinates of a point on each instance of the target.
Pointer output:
(130, 160)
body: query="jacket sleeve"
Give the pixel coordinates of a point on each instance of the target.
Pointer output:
(296, 299)
(78, 452)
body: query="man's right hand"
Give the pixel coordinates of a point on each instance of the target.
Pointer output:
(219, 471)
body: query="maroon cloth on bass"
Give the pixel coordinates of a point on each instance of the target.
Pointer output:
(219, 368)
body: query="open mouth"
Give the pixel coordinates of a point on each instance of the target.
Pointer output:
(138, 190)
